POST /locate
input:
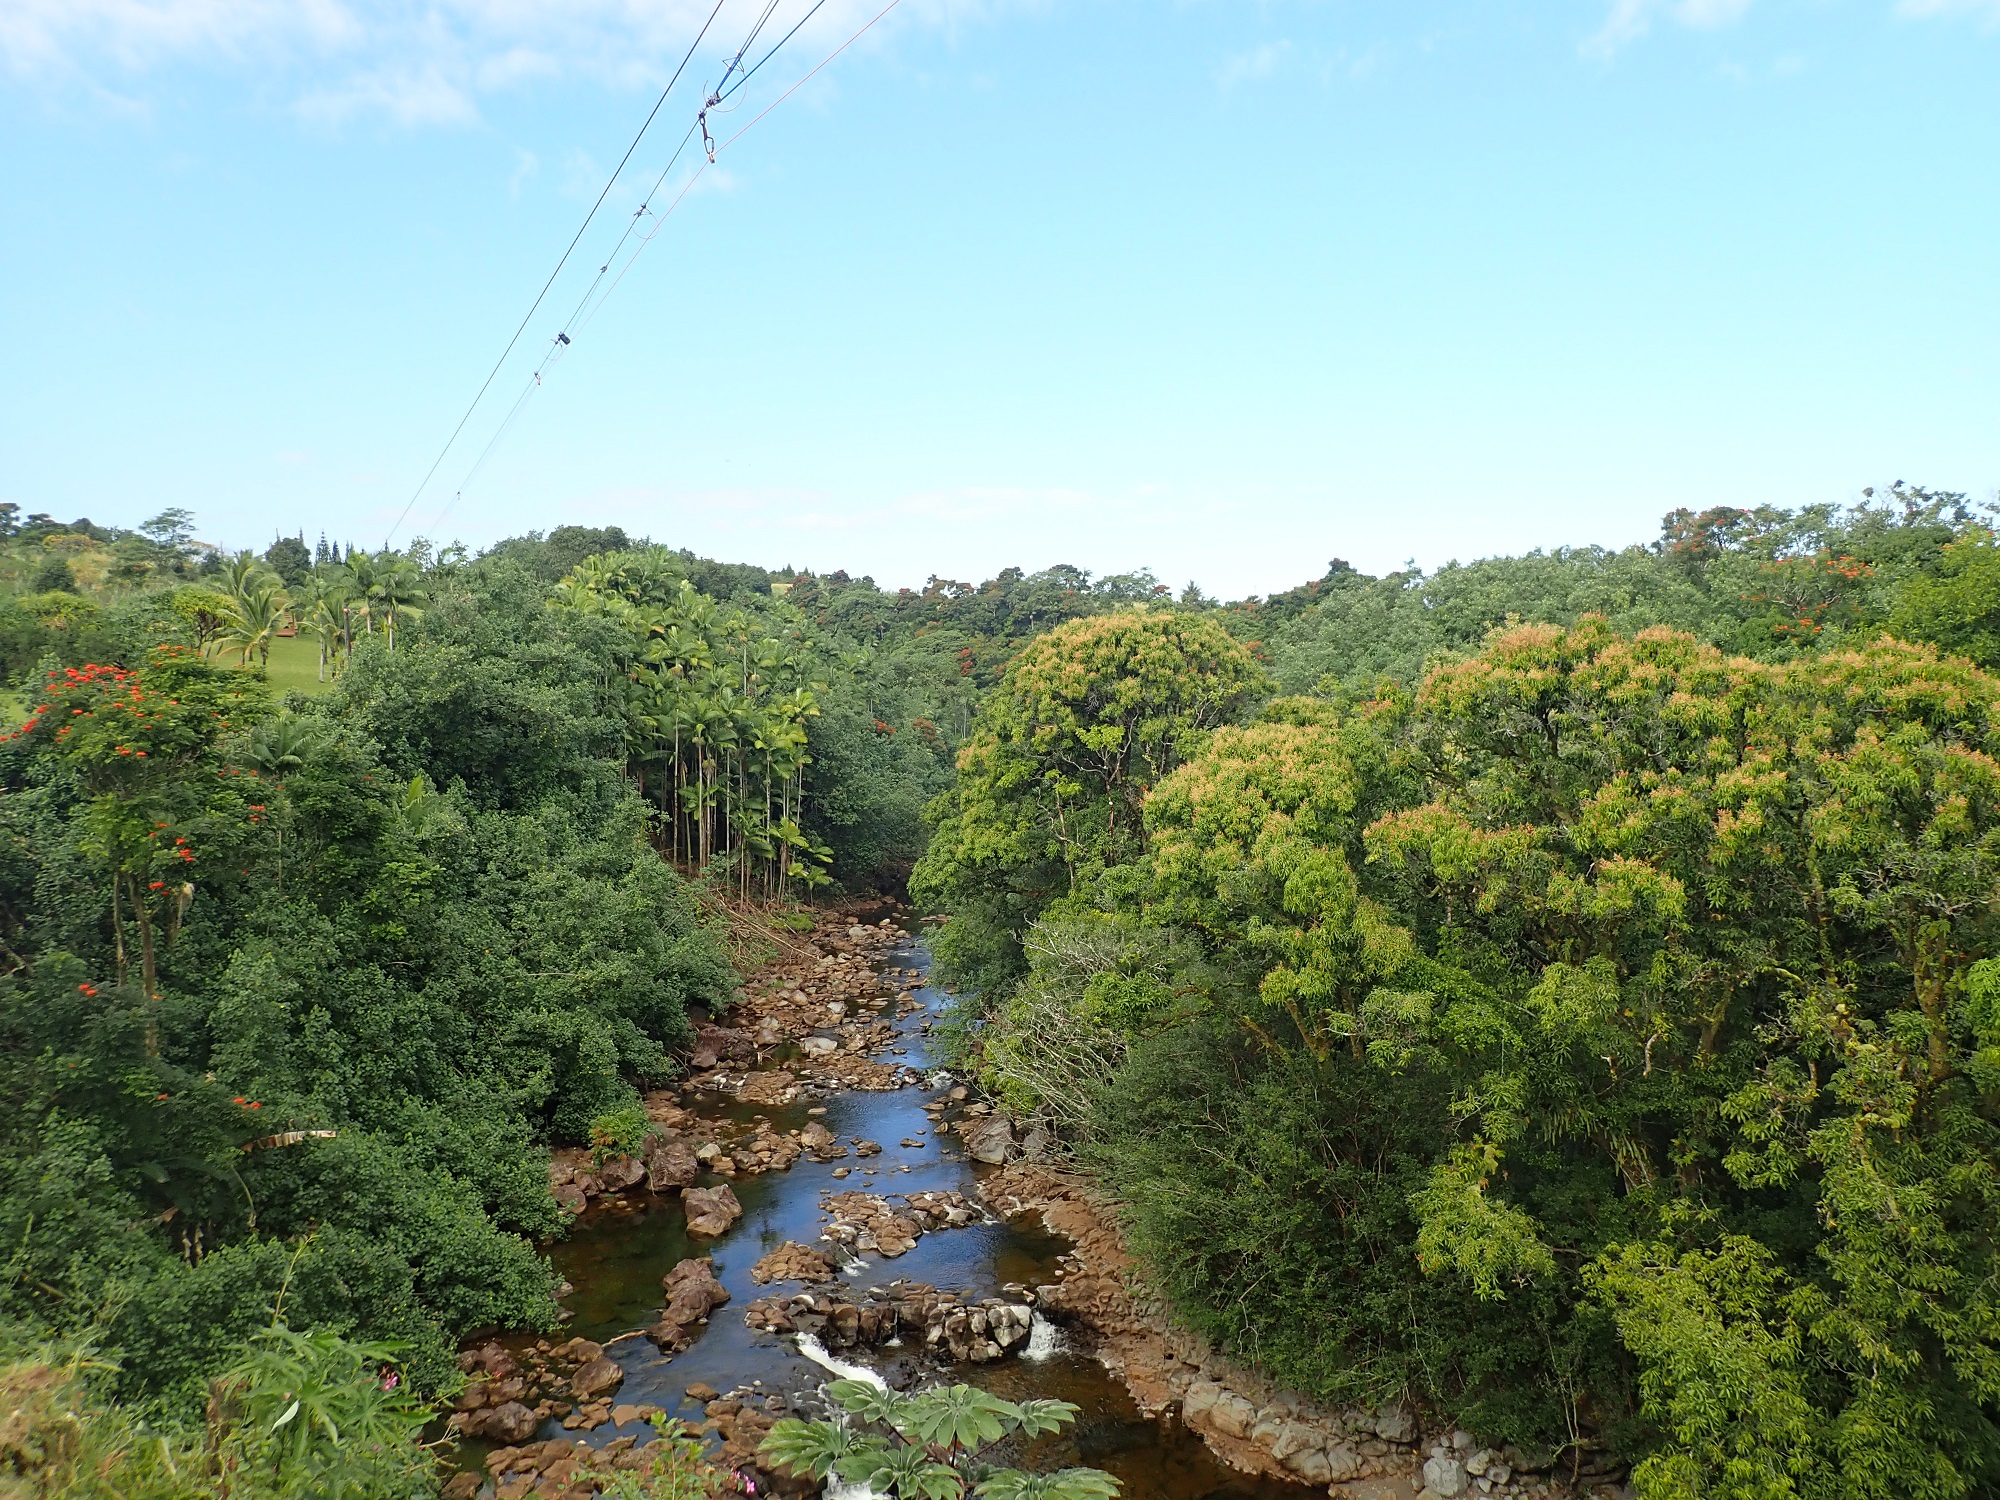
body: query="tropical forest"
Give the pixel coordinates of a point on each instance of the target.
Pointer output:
(1527, 1028)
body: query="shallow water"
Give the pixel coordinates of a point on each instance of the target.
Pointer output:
(615, 1257)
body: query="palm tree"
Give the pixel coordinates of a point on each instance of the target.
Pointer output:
(281, 746)
(361, 581)
(245, 573)
(322, 616)
(399, 584)
(254, 619)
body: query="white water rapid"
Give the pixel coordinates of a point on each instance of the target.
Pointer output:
(1045, 1340)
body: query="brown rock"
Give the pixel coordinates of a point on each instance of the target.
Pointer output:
(511, 1423)
(792, 1261)
(596, 1378)
(718, 1044)
(989, 1140)
(670, 1163)
(462, 1486)
(710, 1211)
(697, 1273)
(620, 1172)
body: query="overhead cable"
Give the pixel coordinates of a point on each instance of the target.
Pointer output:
(587, 218)
(580, 318)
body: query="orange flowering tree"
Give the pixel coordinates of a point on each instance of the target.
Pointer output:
(141, 747)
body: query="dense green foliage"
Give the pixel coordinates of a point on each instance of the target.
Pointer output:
(1574, 1005)
(304, 992)
(295, 1415)
(1084, 722)
(1591, 1035)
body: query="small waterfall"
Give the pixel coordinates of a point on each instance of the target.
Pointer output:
(820, 1355)
(836, 1487)
(1045, 1340)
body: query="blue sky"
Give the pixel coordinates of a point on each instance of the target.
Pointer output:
(1222, 289)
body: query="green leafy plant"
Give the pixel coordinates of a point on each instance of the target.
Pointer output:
(619, 1132)
(314, 1413)
(930, 1445)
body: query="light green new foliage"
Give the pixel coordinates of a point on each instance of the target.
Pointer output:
(929, 1446)
(1088, 719)
(1720, 1363)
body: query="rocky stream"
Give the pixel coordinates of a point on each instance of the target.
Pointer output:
(821, 1197)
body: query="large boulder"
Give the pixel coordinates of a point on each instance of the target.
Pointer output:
(692, 1286)
(511, 1423)
(989, 1140)
(816, 1137)
(1445, 1476)
(620, 1172)
(710, 1211)
(1396, 1423)
(718, 1044)
(597, 1378)
(670, 1163)
(692, 1294)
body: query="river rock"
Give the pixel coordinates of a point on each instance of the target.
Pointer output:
(692, 1293)
(1396, 1423)
(597, 1378)
(989, 1140)
(940, 1321)
(1445, 1477)
(717, 1044)
(569, 1197)
(616, 1173)
(1231, 1415)
(866, 1222)
(774, 1088)
(710, 1211)
(670, 1163)
(511, 1423)
(792, 1261)
(823, 1143)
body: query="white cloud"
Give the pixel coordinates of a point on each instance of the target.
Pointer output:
(422, 96)
(1987, 11)
(415, 62)
(1248, 67)
(1628, 20)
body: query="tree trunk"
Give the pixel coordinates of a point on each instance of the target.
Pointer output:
(117, 932)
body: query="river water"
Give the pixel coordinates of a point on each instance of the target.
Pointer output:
(615, 1256)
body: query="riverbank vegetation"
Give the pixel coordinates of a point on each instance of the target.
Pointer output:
(1575, 1009)
(1556, 988)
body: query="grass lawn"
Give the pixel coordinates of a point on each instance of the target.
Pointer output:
(294, 666)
